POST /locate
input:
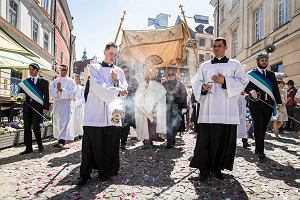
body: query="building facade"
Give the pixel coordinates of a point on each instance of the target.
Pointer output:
(29, 23)
(250, 26)
(64, 40)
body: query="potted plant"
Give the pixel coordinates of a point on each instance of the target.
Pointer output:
(7, 136)
(48, 126)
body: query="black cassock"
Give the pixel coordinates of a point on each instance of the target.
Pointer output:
(215, 147)
(176, 100)
(100, 150)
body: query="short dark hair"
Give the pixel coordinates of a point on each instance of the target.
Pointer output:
(64, 66)
(124, 67)
(291, 82)
(221, 39)
(110, 44)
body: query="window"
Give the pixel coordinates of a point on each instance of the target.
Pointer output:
(16, 78)
(45, 4)
(46, 41)
(13, 13)
(277, 68)
(234, 42)
(222, 14)
(259, 24)
(202, 42)
(35, 30)
(211, 43)
(283, 12)
(201, 57)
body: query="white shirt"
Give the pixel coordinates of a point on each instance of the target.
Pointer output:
(35, 79)
(263, 71)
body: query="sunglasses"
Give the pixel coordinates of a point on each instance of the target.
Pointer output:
(171, 74)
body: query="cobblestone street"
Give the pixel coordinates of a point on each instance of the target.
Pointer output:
(153, 174)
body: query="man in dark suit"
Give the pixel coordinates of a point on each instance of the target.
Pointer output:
(260, 112)
(32, 119)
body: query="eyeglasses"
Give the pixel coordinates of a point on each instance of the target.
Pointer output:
(63, 70)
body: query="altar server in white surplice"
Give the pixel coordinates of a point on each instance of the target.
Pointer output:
(101, 137)
(217, 86)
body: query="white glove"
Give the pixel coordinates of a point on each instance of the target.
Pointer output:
(184, 110)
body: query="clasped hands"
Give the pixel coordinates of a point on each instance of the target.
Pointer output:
(219, 78)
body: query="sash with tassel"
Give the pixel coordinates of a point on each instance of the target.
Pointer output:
(264, 84)
(32, 90)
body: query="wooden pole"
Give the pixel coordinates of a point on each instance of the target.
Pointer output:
(122, 19)
(189, 34)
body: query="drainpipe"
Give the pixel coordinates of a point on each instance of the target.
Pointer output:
(54, 22)
(218, 17)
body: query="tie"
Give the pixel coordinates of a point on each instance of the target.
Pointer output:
(266, 95)
(32, 79)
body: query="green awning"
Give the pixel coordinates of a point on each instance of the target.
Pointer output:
(9, 44)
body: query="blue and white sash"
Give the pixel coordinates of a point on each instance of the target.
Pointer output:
(262, 82)
(32, 90)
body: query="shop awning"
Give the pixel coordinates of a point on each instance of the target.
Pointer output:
(9, 44)
(15, 55)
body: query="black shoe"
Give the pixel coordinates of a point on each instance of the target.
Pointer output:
(58, 145)
(26, 152)
(104, 178)
(169, 146)
(82, 181)
(123, 147)
(261, 156)
(203, 176)
(219, 175)
(246, 145)
(41, 148)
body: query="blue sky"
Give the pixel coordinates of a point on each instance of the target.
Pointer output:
(96, 21)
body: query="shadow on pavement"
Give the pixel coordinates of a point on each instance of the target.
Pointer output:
(272, 169)
(49, 149)
(138, 167)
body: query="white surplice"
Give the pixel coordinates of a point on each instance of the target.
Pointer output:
(220, 105)
(241, 128)
(102, 96)
(77, 111)
(150, 103)
(62, 107)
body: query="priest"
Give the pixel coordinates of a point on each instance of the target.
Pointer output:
(217, 86)
(101, 137)
(176, 106)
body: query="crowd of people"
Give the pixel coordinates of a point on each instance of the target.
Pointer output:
(223, 104)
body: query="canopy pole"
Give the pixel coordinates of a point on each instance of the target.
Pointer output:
(122, 19)
(189, 34)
